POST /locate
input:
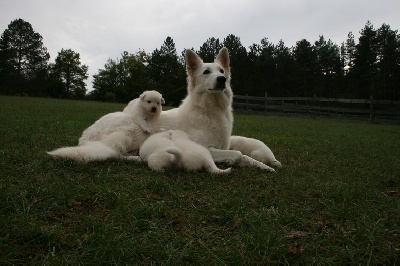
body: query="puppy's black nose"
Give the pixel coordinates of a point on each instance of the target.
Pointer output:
(153, 110)
(221, 82)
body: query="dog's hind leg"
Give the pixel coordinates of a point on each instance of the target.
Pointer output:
(213, 169)
(266, 156)
(226, 156)
(248, 161)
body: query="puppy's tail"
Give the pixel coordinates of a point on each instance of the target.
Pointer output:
(91, 151)
(177, 154)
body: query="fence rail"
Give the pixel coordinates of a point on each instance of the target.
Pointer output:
(315, 106)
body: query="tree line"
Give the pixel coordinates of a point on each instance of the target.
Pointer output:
(353, 69)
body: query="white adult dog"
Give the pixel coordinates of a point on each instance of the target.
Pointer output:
(206, 112)
(116, 134)
(174, 149)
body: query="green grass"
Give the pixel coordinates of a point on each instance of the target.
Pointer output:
(335, 201)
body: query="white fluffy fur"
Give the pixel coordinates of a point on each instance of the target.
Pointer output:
(160, 152)
(116, 134)
(174, 149)
(254, 148)
(206, 112)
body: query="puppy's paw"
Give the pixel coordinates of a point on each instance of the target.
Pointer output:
(234, 159)
(230, 161)
(133, 158)
(266, 167)
(276, 164)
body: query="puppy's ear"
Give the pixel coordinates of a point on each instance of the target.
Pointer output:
(193, 61)
(162, 101)
(142, 96)
(223, 57)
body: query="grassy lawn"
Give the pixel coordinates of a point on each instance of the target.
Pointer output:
(335, 201)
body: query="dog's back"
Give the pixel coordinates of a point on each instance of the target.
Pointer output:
(160, 152)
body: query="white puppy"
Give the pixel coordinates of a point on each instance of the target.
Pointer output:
(254, 148)
(116, 134)
(173, 148)
(206, 112)
(160, 152)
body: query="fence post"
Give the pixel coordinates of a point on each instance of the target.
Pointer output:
(315, 106)
(265, 102)
(247, 102)
(371, 109)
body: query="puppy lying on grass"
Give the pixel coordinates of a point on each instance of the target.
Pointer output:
(173, 149)
(116, 134)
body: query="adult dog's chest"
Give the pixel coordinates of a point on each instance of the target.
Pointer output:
(210, 129)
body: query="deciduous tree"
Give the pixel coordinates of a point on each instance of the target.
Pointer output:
(23, 60)
(69, 72)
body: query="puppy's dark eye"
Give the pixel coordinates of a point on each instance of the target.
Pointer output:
(206, 72)
(222, 71)
(148, 101)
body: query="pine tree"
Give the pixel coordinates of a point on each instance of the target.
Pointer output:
(240, 61)
(166, 73)
(306, 67)
(263, 69)
(388, 63)
(330, 68)
(365, 69)
(209, 50)
(285, 68)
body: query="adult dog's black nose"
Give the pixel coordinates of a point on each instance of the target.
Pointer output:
(221, 80)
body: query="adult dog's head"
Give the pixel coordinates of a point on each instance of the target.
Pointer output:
(208, 77)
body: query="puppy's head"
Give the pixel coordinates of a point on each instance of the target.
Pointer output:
(210, 77)
(151, 101)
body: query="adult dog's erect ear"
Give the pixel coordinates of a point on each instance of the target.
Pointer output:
(193, 61)
(223, 57)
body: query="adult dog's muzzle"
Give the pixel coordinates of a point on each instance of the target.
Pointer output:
(221, 83)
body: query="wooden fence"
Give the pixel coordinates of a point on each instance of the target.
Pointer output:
(370, 109)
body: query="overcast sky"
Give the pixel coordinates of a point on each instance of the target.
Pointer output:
(102, 29)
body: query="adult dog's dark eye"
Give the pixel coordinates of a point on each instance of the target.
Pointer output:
(221, 70)
(206, 72)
